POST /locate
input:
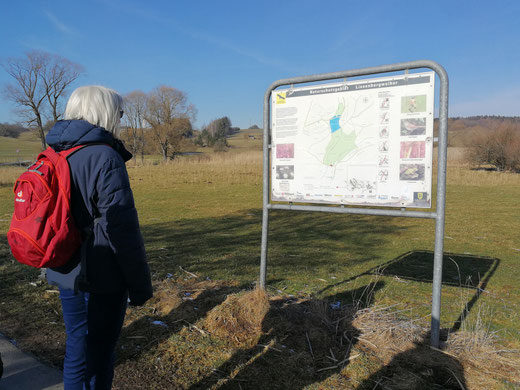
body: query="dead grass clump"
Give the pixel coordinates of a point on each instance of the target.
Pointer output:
(175, 299)
(239, 317)
(167, 297)
(483, 358)
(170, 294)
(402, 348)
(385, 333)
(470, 359)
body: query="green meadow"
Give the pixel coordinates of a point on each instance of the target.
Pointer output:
(201, 221)
(24, 148)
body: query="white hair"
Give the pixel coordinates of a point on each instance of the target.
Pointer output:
(97, 105)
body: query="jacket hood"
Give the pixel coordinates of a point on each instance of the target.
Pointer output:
(69, 133)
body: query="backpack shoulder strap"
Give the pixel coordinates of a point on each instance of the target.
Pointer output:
(67, 153)
(52, 155)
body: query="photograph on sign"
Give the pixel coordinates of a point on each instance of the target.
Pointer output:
(366, 142)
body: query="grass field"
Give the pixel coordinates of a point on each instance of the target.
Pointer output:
(24, 148)
(201, 221)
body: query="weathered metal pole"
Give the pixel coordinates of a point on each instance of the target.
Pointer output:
(265, 197)
(442, 147)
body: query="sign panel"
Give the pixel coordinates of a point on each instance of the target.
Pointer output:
(366, 142)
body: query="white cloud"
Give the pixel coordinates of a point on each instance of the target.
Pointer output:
(57, 23)
(256, 56)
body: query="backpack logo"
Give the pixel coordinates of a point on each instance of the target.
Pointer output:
(19, 197)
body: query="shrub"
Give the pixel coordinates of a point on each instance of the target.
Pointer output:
(500, 148)
(220, 145)
(11, 130)
(215, 134)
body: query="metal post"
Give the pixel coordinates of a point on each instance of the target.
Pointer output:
(440, 207)
(265, 208)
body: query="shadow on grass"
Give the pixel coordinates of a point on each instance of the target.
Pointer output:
(211, 245)
(421, 367)
(459, 270)
(229, 246)
(302, 342)
(418, 368)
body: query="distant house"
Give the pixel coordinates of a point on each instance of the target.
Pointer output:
(251, 137)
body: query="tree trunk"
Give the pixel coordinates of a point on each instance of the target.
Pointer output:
(41, 133)
(165, 153)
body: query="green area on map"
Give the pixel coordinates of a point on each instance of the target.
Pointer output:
(341, 144)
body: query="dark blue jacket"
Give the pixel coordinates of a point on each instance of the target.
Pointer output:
(116, 259)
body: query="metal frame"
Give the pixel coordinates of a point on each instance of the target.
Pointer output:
(439, 212)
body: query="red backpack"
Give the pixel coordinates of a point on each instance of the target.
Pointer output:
(43, 232)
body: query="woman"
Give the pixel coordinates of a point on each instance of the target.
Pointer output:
(113, 269)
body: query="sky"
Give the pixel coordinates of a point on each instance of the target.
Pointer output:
(225, 54)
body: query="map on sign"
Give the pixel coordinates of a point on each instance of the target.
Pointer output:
(366, 142)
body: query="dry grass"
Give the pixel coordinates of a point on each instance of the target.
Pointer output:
(478, 348)
(231, 168)
(168, 296)
(8, 175)
(393, 352)
(483, 359)
(246, 168)
(239, 317)
(462, 174)
(472, 357)
(384, 331)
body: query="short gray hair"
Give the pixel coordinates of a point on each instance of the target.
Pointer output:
(97, 105)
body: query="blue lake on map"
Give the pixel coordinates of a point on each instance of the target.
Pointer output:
(334, 123)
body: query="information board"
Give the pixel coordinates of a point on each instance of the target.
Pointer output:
(364, 142)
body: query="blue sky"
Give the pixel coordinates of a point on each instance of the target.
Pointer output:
(225, 54)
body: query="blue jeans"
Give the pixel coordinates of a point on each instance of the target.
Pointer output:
(93, 323)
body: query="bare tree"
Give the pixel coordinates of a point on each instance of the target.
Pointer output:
(41, 80)
(169, 115)
(28, 94)
(58, 74)
(134, 107)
